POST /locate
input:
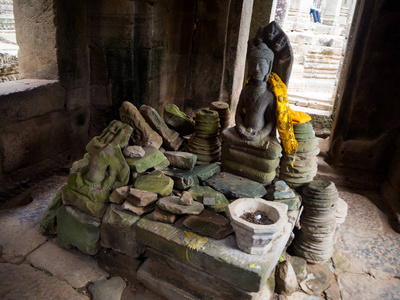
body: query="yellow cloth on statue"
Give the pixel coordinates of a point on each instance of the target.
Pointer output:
(299, 117)
(284, 122)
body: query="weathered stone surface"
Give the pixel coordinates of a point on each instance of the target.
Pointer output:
(19, 227)
(178, 119)
(181, 160)
(171, 139)
(300, 267)
(221, 258)
(75, 228)
(209, 224)
(363, 286)
(164, 216)
(141, 198)
(119, 194)
(333, 292)
(71, 266)
(198, 192)
(300, 296)
(25, 282)
(116, 134)
(233, 186)
(177, 280)
(142, 135)
(317, 281)
(186, 199)
(110, 289)
(48, 220)
(183, 180)
(155, 182)
(204, 172)
(172, 205)
(208, 200)
(139, 210)
(279, 190)
(152, 158)
(117, 231)
(286, 281)
(162, 165)
(134, 152)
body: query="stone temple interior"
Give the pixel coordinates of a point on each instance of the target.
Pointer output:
(79, 61)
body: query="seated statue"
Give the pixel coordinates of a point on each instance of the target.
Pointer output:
(251, 149)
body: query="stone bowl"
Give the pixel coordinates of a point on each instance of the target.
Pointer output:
(253, 238)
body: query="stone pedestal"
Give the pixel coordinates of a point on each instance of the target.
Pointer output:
(214, 268)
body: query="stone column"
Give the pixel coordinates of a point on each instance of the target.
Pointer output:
(281, 12)
(299, 14)
(330, 12)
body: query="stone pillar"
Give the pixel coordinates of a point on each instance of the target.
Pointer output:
(281, 12)
(237, 37)
(330, 12)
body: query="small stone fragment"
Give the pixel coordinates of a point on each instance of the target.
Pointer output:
(203, 172)
(208, 200)
(209, 224)
(186, 199)
(138, 210)
(164, 216)
(183, 179)
(152, 158)
(221, 203)
(178, 120)
(181, 160)
(118, 196)
(286, 281)
(134, 152)
(155, 182)
(171, 204)
(110, 289)
(141, 198)
(318, 281)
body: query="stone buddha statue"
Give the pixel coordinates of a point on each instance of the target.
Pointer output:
(255, 114)
(251, 149)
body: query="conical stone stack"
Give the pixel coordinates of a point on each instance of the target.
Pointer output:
(314, 242)
(204, 142)
(223, 111)
(300, 168)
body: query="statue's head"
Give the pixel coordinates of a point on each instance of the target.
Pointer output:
(260, 59)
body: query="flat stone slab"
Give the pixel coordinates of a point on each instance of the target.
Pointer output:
(183, 179)
(155, 182)
(172, 205)
(203, 172)
(221, 203)
(152, 158)
(25, 282)
(71, 266)
(222, 258)
(19, 227)
(357, 286)
(181, 160)
(233, 186)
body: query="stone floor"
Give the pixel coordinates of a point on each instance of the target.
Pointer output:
(365, 264)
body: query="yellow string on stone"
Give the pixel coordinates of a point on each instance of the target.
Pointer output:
(284, 122)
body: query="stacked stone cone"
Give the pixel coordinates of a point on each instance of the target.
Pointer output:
(223, 111)
(300, 168)
(204, 142)
(314, 242)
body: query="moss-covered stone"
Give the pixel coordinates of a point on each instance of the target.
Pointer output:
(75, 228)
(116, 134)
(203, 172)
(152, 158)
(178, 120)
(155, 182)
(221, 203)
